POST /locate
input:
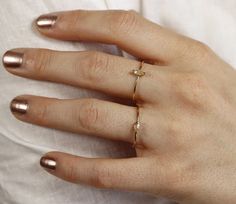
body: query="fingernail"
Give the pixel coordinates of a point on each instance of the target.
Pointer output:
(19, 106)
(12, 59)
(48, 163)
(46, 21)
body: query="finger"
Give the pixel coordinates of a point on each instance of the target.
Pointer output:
(127, 174)
(87, 116)
(94, 70)
(126, 29)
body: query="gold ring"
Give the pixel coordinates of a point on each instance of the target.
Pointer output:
(138, 73)
(136, 127)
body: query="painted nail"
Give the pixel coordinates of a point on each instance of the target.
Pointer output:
(19, 106)
(46, 21)
(48, 163)
(12, 59)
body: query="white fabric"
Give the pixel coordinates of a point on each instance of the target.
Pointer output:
(22, 180)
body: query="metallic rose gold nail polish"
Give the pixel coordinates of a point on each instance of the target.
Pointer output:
(19, 106)
(48, 163)
(46, 21)
(12, 59)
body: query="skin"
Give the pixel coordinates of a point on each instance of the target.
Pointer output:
(186, 145)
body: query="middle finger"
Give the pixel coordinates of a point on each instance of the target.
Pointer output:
(89, 69)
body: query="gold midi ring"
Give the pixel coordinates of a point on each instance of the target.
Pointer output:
(138, 73)
(136, 127)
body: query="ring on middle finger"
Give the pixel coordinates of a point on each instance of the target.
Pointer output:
(138, 73)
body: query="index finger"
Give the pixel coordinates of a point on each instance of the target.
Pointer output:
(127, 29)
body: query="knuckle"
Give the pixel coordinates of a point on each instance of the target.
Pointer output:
(90, 115)
(191, 88)
(195, 81)
(168, 177)
(182, 177)
(98, 66)
(102, 177)
(199, 45)
(124, 22)
(176, 180)
(174, 129)
(71, 173)
(42, 113)
(200, 49)
(42, 62)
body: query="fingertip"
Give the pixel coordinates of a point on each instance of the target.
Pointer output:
(19, 105)
(48, 162)
(45, 24)
(13, 58)
(60, 164)
(46, 21)
(49, 25)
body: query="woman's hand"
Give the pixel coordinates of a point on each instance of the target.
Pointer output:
(187, 139)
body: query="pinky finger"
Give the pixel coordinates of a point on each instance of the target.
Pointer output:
(127, 174)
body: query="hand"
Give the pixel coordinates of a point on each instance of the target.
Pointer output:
(186, 147)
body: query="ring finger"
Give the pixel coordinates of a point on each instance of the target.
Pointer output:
(89, 116)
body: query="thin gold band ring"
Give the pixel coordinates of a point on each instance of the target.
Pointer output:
(136, 128)
(138, 73)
